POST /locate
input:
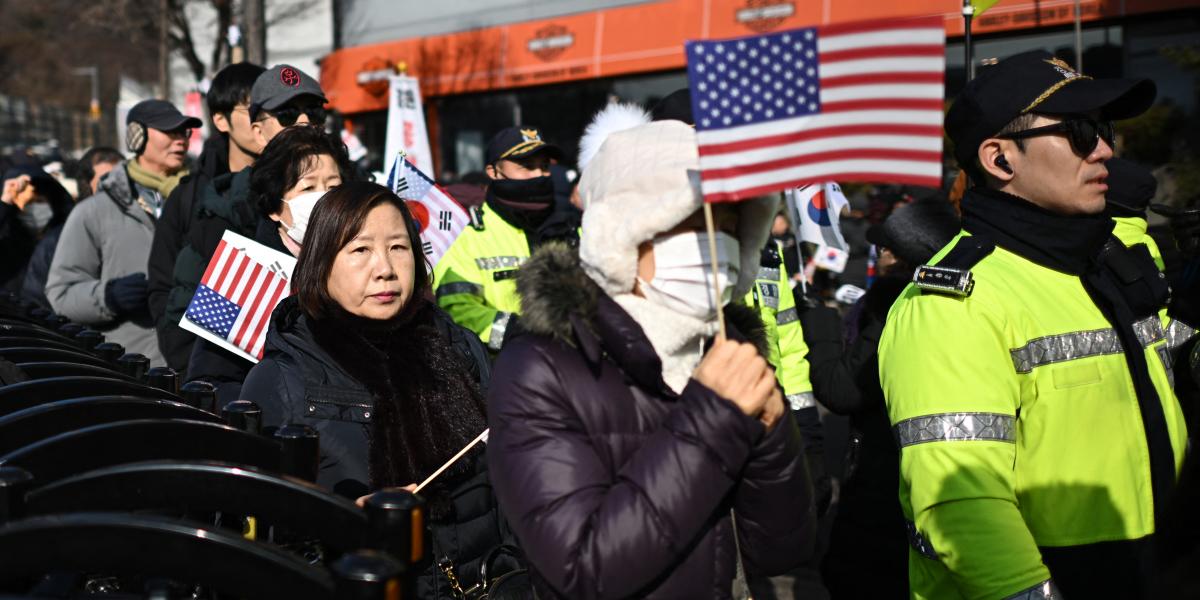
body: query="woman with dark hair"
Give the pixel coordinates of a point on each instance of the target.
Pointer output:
(270, 203)
(361, 353)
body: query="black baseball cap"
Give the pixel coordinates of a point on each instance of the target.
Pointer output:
(519, 142)
(1131, 187)
(279, 85)
(161, 115)
(1036, 82)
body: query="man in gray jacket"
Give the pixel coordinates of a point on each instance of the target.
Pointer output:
(98, 276)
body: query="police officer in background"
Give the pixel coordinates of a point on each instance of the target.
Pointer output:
(1025, 371)
(476, 278)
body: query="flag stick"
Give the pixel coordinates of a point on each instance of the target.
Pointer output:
(453, 459)
(712, 255)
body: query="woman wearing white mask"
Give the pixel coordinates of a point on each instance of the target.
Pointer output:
(624, 431)
(272, 203)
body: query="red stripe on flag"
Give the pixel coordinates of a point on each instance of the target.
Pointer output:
(253, 310)
(883, 104)
(819, 157)
(236, 259)
(262, 323)
(813, 134)
(743, 194)
(212, 262)
(880, 78)
(243, 262)
(932, 22)
(241, 300)
(902, 51)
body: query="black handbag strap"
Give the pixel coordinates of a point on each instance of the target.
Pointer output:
(485, 566)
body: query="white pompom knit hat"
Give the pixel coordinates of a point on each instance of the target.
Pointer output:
(644, 181)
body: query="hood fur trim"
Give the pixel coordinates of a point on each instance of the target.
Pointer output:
(611, 119)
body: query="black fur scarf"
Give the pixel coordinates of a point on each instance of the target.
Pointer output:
(427, 404)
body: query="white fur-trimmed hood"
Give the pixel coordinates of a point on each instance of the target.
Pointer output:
(644, 181)
(611, 119)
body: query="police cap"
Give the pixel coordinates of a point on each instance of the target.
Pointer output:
(1036, 82)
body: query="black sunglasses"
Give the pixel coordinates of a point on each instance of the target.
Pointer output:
(287, 115)
(1084, 133)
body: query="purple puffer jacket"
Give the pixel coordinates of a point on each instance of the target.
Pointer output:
(616, 486)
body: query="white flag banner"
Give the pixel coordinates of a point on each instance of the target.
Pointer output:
(439, 217)
(406, 123)
(816, 209)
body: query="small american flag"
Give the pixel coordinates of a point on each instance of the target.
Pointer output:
(439, 217)
(847, 102)
(235, 298)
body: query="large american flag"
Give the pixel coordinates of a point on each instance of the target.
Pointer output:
(440, 218)
(848, 102)
(235, 298)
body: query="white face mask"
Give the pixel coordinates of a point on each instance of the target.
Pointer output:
(302, 207)
(36, 216)
(683, 273)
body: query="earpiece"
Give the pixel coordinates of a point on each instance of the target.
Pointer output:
(1002, 164)
(135, 137)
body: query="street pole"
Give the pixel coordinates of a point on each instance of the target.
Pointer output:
(255, 30)
(164, 53)
(94, 73)
(968, 12)
(1078, 37)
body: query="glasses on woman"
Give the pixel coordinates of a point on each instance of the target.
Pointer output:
(1084, 133)
(288, 115)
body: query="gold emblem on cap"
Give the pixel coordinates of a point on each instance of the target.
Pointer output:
(1068, 74)
(531, 135)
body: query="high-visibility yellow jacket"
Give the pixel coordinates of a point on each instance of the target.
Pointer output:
(771, 295)
(1132, 230)
(475, 281)
(1018, 424)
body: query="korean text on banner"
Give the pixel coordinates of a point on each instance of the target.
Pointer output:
(847, 102)
(243, 283)
(440, 218)
(406, 123)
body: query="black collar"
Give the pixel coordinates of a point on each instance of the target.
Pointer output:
(1067, 243)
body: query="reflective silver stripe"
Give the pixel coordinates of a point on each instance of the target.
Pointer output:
(787, 316)
(1149, 330)
(919, 542)
(499, 324)
(1178, 333)
(802, 400)
(459, 287)
(492, 263)
(769, 293)
(768, 273)
(1045, 590)
(1080, 344)
(950, 427)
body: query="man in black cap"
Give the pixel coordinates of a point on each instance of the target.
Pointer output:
(284, 96)
(232, 149)
(98, 275)
(1027, 369)
(476, 278)
(280, 97)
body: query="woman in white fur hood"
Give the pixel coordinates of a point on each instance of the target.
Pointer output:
(623, 431)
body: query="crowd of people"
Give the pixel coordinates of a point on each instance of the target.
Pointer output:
(1015, 373)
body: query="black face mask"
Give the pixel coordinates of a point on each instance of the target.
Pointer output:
(529, 194)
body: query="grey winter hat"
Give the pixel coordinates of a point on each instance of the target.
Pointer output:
(915, 232)
(279, 85)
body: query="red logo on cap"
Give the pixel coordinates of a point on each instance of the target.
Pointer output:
(289, 76)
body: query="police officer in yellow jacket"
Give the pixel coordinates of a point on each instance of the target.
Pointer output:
(476, 279)
(772, 297)
(1026, 369)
